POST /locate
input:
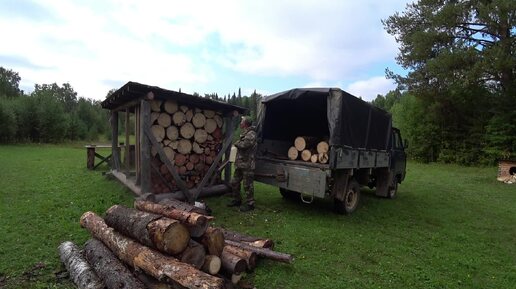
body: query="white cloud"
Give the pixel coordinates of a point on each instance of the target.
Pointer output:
(368, 89)
(184, 43)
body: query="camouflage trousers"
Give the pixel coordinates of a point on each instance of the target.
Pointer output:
(247, 176)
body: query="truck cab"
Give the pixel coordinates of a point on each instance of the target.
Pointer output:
(364, 148)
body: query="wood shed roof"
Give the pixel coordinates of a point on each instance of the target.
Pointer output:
(132, 92)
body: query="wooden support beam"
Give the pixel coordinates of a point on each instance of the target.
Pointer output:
(227, 169)
(137, 143)
(114, 141)
(127, 156)
(145, 149)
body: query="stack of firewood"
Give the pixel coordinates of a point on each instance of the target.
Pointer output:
(309, 149)
(161, 245)
(191, 139)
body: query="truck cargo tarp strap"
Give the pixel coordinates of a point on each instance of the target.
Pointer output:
(324, 112)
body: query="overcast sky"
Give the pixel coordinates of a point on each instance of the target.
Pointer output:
(200, 46)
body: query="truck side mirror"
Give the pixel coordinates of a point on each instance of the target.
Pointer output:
(405, 143)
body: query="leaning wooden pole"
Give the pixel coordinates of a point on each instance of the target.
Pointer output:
(150, 261)
(156, 231)
(196, 223)
(80, 271)
(109, 268)
(263, 252)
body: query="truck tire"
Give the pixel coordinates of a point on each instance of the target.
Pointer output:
(351, 199)
(288, 194)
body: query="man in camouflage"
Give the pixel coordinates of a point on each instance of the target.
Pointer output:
(244, 167)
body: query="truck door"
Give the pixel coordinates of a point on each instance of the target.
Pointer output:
(399, 157)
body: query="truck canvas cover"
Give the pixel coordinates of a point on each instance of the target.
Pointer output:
(324, 112)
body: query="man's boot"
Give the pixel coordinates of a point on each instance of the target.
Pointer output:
(234, 203)
(246, 208)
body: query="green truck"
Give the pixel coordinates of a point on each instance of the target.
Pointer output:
(364, 148)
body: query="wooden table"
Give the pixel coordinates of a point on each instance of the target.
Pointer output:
(91, 154)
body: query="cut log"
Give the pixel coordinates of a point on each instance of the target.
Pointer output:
(248, 256)
(200, 135)
(322, 147)
(194, 254)
(164, 234)
(197, 148)
(212, 264)
(172, 133)
(218, 120)
(196, 223)
(178, 118)
(293, 153)
(209, 113)
(180, 160)
(154, 116)
(109, 268)
(183, 108)
(80, 271)
(217, 134)
(323, 158)
(199, 120)
(158, 132)
(174, 144)
(304, 142)
(169, 152)
(187, 130)
(262, 252)
(213, 241)
(210, 125)
(166, 142)
(194, 158)
(251, 240)
(171, 203)
(182, 171)
(150, 261)
(189, 166)
(306, 155)
(232, 264)
(184, 146)
(152, 283)
(314, 158)
(235, 278)
(189, 115)
(170, 106)
(155, 105)
(164, 120)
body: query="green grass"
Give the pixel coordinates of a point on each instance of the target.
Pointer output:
(450, 227)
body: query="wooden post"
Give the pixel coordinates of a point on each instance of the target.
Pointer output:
(137, 152)
(127, 146)
(115, 159)
(227, 170)
(145, 148)
(90, 157)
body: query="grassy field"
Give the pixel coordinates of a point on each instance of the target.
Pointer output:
(451, 227)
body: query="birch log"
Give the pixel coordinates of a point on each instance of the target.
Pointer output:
(80, 271)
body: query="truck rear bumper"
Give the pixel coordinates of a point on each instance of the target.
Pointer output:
(306, 178)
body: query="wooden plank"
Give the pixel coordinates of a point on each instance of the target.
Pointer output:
(145, 150)
(171, 168)
(227, 170)
(225, 146)
(90, 157)
(127, 182)
(114, 140)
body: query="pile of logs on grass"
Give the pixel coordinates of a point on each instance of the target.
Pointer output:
(161, 246)
(191, 138)
(309, 149)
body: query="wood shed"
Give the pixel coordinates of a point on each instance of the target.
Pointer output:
(181, 143)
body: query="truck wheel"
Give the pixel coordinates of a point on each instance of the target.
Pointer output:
(351, 199)
(288, 194)
(393, 189)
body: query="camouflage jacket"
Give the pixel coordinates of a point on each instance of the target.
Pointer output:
(246, 146)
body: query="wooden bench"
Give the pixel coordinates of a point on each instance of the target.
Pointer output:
(91, 154)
